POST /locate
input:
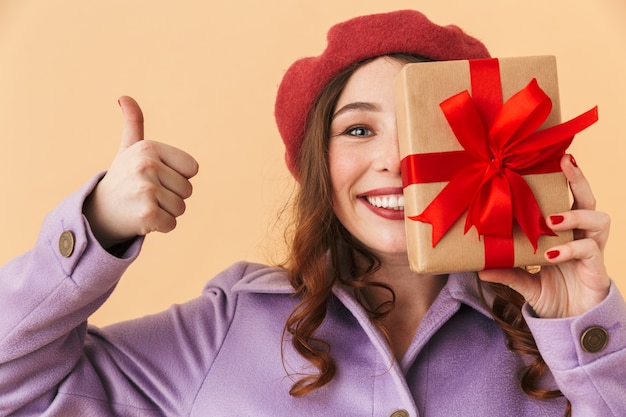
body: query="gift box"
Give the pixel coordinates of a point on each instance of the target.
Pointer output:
(481, 143)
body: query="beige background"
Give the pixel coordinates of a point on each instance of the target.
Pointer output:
(206, 73)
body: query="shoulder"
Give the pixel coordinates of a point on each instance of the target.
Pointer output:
(248, 277)
(243, 300)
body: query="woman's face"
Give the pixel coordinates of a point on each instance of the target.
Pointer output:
(364, 159)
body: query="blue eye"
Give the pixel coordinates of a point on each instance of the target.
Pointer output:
(358, 131)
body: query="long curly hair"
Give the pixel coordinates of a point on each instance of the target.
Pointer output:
(313, 261)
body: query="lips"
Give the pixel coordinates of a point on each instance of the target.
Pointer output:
(387, 203)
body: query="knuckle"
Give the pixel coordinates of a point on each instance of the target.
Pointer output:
(605, 221)
(146, 189)
(147, 146)
(584, 248)
(145, 166)
(588, 245)
(149, 215)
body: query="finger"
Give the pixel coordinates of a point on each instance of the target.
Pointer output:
(581, 190)
(178, 160)
(171, 203)
(163, 223)
(517, 279)
(585, 224)
(586, 251)
(153, 218)
(132, 126)
(175, 182)
(590, 221)
(590, 257)
(582, 249)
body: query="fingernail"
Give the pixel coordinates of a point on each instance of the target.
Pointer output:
(556, 219)
(551, 254)
(573, 161)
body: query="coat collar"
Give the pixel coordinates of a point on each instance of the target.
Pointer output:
(461, 287)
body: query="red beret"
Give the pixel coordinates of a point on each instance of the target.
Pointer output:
(360, 38)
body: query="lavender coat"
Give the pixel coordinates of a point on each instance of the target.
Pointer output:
(220, 354)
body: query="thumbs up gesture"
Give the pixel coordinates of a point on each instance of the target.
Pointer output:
(144, 189)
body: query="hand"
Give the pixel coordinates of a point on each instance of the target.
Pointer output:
(576, 279)
(144, 189)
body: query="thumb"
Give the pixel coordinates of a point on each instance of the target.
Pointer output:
(132, 127)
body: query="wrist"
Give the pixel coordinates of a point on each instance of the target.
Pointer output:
(97, 221)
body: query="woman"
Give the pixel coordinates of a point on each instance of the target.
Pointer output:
(345, 328)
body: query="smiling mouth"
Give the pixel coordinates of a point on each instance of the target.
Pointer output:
(391, 202)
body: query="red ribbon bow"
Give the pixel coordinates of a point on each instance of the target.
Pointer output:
(485, 179)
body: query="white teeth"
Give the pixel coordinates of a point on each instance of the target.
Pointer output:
(394, 202)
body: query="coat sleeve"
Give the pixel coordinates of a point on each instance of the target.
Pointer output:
(52, 363)
(587, 356)
(46, 296)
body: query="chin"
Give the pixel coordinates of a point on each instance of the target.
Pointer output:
(389, 248)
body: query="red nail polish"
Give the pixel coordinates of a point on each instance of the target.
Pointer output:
(573, 161)
(551, 254)
(557, 219)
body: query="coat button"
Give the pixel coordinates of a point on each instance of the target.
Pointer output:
(400, 413)
(594, 339)
(66, 244)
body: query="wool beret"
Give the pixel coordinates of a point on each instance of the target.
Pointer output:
(352, 41)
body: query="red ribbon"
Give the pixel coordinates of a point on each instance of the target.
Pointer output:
(501, 143)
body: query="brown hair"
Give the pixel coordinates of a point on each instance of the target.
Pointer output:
(313, 262)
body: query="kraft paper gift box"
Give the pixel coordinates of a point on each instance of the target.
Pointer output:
(480, 143)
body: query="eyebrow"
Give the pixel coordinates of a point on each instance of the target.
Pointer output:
(358, 105)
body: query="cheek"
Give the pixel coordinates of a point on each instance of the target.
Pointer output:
(341, 179)
(345, 167)
(336, 168)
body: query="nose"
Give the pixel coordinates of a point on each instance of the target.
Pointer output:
(388, 153)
